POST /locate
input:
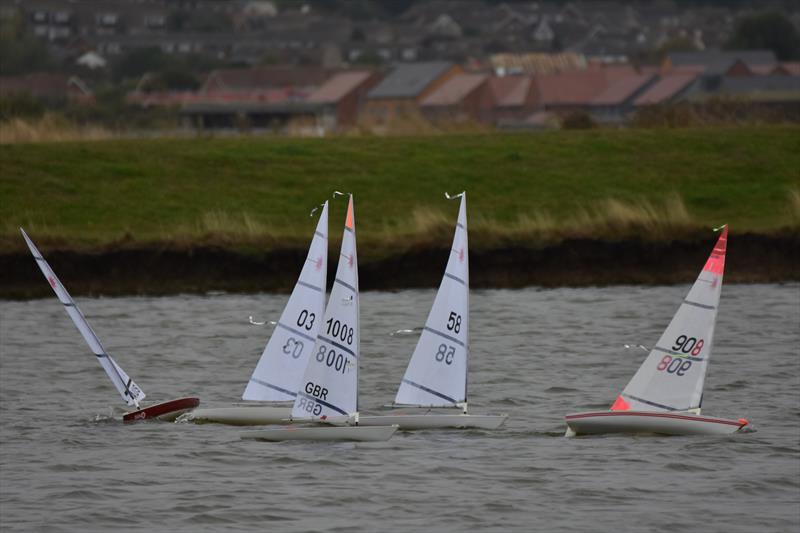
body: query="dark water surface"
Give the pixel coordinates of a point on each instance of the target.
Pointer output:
(536, 355)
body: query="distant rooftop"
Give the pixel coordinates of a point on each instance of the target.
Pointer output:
(665, 88)
(717, 61)
(339, 86)
(454, 90)
(408, 80)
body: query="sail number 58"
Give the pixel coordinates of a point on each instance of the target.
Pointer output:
(445, 354)
(454, 322)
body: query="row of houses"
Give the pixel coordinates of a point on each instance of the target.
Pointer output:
(441, 91)
(327, 100)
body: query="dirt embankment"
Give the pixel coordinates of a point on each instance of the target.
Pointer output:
(579, 262)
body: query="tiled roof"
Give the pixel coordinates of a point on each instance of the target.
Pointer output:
(339, 86)
(408, 80)
(621, 90)
(570, 88)
(538, 63)
(665, 88)
(454, 89)
(509, 91)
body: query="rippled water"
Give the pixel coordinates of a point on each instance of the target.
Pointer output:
(536, 354)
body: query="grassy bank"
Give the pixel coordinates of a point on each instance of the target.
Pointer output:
(252, 194)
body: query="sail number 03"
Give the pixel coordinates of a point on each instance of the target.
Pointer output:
(678, 365)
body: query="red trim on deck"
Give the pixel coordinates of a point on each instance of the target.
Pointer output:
(741, 422)
(159, 409)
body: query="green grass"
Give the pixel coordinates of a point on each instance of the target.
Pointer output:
(248, 193)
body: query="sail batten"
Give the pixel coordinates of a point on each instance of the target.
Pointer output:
(674, 371)
(131, 393)
(286, 354)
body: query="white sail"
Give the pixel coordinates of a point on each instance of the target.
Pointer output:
(673, 375)
(437, 372)
(330, 384)
(129, 391)
(280, 369)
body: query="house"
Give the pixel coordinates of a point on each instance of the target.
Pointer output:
(401, 91)
(513, 97)
(276, 98)
(616, 101)
(340, 99)
(463, 97)
(668, 88)
(49, 87)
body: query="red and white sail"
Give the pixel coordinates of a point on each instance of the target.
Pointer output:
(437, 372)
(673, 375)
(130, 392)
(279, 371)
(329, 387)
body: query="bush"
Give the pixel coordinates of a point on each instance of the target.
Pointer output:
(20, 106)
(578, 120)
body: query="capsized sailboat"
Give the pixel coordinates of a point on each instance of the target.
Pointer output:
(131, 393)
(665, 394)
(436, 376)
(329, 388)
(279, 371)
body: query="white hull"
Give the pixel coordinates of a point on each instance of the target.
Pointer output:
(323, 433)
(434, 421)
(245, 415)
(650, 422)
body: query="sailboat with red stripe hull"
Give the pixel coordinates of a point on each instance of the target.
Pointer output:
(665, 394)
(131, 393)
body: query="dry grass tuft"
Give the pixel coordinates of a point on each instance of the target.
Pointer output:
(794, 205)
(49, 128)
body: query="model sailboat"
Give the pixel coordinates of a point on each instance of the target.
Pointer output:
(665, 394)
(329, 388)
(279, 371)
(436, 376)
(131, 393)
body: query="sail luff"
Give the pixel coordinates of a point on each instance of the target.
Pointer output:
(672, 376)
(131, 393)
(280, 368)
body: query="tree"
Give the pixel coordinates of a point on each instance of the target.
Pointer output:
(138, 61)
(771, 31)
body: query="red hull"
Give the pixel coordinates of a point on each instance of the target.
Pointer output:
(161, 409)
(651, 422)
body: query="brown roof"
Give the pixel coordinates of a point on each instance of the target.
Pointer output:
(454, 89)
(42, 85)
(339, 86)
(792, 68)
(622, 89)
(246, 79)
(509, 91)
(570, 88)
(665, 88)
